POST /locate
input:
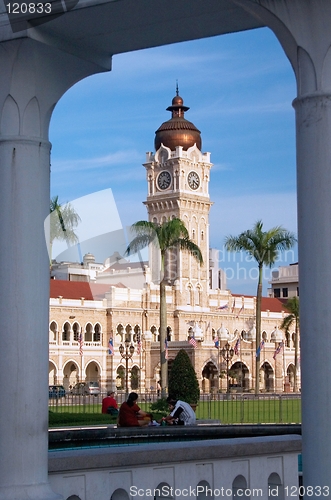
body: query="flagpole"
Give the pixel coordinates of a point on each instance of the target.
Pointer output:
(81, 353)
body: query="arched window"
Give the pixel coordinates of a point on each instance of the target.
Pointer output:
(205, 491)
(97, 333)
(52, 331)
(275, 487)
(120, 332)
(76, 330)
(137, 333)
(239, 488)
(163, 490)
(66, 332)
(128, 333)
(88, 332)
(120, 494)
(154, 333)
(189, 295)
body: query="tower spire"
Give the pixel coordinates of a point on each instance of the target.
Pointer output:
(177, 91)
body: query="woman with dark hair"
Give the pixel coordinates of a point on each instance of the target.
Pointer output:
(130, 415)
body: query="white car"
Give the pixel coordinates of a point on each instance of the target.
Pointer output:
(88, 388)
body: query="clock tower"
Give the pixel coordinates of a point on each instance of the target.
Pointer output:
(178, 178)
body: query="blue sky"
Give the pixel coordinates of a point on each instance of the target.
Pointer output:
(239, 88)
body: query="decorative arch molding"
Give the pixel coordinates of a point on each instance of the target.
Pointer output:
(31, 125)
(10, 117)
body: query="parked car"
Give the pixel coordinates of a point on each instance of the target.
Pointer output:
(87, 388)
(56, 391)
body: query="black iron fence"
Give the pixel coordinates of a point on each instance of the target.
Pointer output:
(237, 408)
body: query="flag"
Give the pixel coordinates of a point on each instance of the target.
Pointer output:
(110, 347)
(81, 343)
(217, 343)
(237, 346)
(191, 323)
(224, 307)
(166, 353)
(240, 311)
(138, 343)
(233, 305)
(193, 342)
(279, 348)
(260, 348)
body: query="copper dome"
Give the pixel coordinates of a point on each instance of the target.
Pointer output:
(177, 131)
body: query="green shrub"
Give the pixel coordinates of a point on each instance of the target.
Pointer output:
(183, 382)
(160, 405)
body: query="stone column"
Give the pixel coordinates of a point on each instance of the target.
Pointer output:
(33, 77)
(303, 29)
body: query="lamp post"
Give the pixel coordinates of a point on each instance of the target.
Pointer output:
(126, 353)
(227, 353)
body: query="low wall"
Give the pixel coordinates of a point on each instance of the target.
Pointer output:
(253, 467)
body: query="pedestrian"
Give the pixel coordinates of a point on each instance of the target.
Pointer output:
(130, 415)
(181, 413)
(109, 404)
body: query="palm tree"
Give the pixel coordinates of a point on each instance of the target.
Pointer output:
(168, 235)
(292, 305)
(263, 246)
(63, 220)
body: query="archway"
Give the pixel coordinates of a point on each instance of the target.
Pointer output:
(52, 373)
(93, 372)
(70, 375)
(120, 378)
(239, 376)
(266, 377)
(290, 372)
(135, 378)
(210, 380)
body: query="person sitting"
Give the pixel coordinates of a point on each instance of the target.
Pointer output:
(181, 413)
(130, 415)
(109, 404)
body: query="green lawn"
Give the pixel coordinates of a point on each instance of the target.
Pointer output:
(243, 411)
(251, 411)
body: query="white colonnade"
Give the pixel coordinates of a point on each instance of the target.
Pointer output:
(33, 78)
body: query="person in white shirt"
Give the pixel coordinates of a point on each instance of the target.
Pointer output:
(181, 413)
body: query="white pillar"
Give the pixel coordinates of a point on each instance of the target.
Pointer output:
(33, 78)
(303, 28)
(313, 118)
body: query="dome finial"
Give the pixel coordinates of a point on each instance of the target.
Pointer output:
(177, 91)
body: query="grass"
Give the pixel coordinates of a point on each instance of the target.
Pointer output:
(250, 411)
(241, 411)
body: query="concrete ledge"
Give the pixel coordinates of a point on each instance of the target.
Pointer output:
(108, 435)
(161, 453)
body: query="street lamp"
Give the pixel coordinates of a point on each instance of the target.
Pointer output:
(227, 353)
(126, 353)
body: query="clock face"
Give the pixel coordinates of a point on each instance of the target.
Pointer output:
(193, 180)
(164, 180)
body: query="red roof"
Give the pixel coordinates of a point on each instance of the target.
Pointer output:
(267, 303)
(77, 290)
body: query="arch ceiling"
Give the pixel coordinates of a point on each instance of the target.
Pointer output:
(126, 25)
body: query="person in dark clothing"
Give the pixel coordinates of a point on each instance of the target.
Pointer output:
(130, 415)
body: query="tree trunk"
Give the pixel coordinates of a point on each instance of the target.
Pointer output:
(258, 330)
(163, 336)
